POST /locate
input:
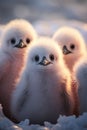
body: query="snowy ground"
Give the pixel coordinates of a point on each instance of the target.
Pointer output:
(63, 123)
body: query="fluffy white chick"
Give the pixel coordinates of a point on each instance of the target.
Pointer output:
(17, 36)
(44, 91)
(81, 75)
(72, 45)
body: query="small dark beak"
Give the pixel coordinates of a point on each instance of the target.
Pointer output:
(21, 44)
(45, 62)
(66, 51)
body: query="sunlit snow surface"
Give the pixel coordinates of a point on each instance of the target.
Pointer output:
(63, 123)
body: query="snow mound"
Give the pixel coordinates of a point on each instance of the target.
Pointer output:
(63, 123)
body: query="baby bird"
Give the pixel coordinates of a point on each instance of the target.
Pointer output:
(72, 45)
(81, 75)
(44, 90)
(17, 36)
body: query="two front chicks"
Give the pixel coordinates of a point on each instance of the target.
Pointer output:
(36, 74)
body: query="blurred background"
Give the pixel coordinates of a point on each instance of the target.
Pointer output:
(44, 12)
(34, 10)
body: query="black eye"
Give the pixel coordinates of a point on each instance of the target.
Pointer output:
(27, 40)
(36, 58)
(13, 41)
(72, 46)
(51, 57)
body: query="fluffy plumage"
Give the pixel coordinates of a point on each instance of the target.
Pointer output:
(44, 91)
(81, 75)
(17, 36)
(72, 45)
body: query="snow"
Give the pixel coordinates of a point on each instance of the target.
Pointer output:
(63, 123)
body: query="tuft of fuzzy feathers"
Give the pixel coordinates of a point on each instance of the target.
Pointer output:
(72, 44)
(13, 53)
(44, 90)
(81, 75)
